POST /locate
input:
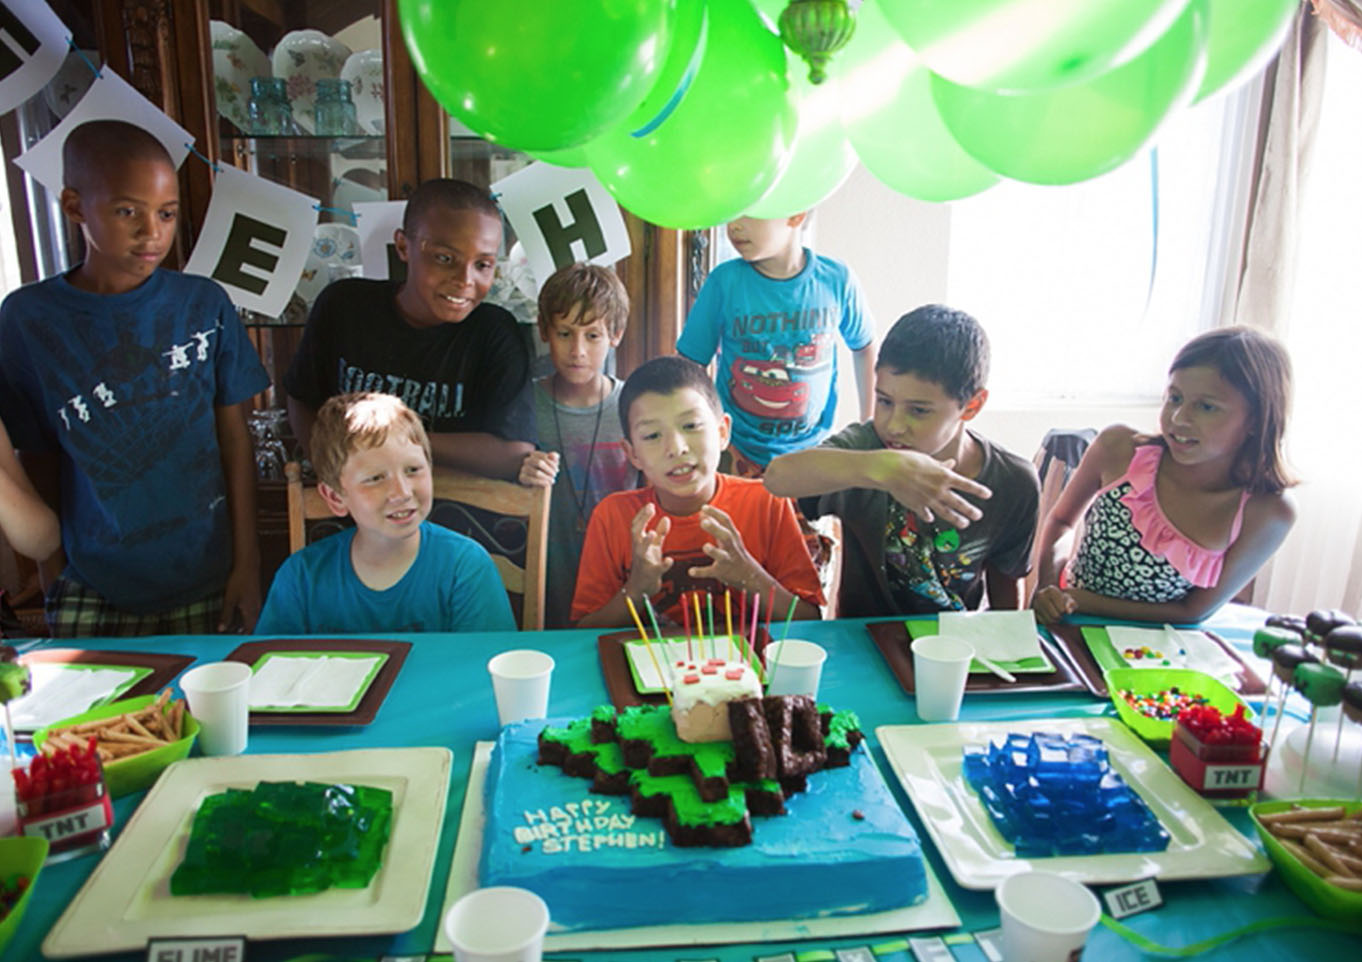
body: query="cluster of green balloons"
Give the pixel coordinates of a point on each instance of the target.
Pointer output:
(692, 112)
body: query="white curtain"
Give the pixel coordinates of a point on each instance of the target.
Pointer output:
(1299, 280)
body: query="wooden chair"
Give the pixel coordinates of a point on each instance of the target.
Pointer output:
(502, 505)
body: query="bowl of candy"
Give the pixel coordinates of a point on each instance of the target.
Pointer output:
(21, 858)
(1316, 843)
(135, 738)
(1148, 700)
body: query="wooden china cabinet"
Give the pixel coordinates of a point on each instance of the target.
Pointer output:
(165, 49)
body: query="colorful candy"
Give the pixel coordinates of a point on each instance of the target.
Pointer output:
(56, 775)
(1213, 728)
(1144, 653)
(1162, 705)
(11, 891)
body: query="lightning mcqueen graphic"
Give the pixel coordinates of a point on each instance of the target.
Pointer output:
(764, 388)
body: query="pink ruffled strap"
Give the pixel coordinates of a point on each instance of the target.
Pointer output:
(1201, 566)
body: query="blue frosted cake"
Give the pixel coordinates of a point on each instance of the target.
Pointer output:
(612, 841)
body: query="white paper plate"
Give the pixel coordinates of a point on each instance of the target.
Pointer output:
(127, 899)
(927, 760)
(934, 913)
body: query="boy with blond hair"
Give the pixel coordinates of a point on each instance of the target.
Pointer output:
(691, 528)
(583, 311)
(124, 387)
(774, 315)
(393, 571)
(934, 513)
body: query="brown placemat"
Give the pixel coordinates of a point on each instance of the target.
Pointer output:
(619, 680)
(1076, 647)
(164, 666)
(891, 638)
(363, 713)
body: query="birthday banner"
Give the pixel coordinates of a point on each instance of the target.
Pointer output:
(110, 97)
(255, 240)
(257, 234)
(32, 50)
(562, 215)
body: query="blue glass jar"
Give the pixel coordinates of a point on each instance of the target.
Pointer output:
(334, 112)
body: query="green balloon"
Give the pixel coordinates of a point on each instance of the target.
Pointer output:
(538, 76)
(690, 36)
(1244, 35)
(567, 157)
(821, 158)
(1078, 132)
(1020, 45)
(727, 140)
(891, 121)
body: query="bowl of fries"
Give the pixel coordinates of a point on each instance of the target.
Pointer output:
(137, 738)
(1316, 844)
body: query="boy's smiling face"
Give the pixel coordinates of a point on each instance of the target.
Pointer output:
(128, 213)
(451, 258)
(918, 415)
(386, 488)
(675, 440)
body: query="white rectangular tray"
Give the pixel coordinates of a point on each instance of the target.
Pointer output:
(927, 760)
(127, 900)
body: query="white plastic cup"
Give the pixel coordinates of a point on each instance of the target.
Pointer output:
(1046, 917)
(797, 668)
(219, 699)
(520, 682)
(498, 924)
(940, 667)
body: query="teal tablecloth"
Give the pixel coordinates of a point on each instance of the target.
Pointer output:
(443, 697)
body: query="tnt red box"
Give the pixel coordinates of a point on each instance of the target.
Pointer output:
(1217, 770)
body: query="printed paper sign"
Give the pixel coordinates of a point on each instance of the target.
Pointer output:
(110, 97)
(255, 240)
(561, 215)
(32, 49)
(376, 222)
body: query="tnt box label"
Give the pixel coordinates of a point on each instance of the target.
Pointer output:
(73, 822)
(1220, 777)
(215, 949)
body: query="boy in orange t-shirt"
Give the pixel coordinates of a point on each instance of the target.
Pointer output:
(691, 528)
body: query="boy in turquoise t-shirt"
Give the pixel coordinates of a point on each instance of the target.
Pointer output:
(774, 317)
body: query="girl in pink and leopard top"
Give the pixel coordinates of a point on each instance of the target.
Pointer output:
(1177, 523)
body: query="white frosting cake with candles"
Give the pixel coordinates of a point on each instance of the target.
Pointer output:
(701, 691)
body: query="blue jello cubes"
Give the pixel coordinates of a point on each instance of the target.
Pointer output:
(1048, 794)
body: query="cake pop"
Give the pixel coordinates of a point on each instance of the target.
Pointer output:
(1285, 658)
(1352, 701)
(1268, 639)
(1320, 623)
(1322, 686)
(1343, 647)
(1293, 623)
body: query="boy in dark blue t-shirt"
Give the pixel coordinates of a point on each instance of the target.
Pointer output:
(125, 385)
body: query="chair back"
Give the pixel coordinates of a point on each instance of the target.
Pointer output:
(510, 520)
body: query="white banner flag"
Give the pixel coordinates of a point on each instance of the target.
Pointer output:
(255, 240)
(110, 97)
(376, 221)
(32, 49)
(561, 215)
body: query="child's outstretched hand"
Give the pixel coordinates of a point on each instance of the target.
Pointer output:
(649, 564)
(732, 564)
(539, 469)
(930, 488)
(1051, 604)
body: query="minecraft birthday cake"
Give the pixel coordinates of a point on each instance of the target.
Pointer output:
(616, 822)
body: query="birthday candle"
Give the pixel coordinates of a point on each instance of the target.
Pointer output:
(756, 610)
(728, 610)
(699, 625)
(647, 646)
(685, 620)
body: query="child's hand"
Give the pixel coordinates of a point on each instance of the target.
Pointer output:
(649, 564)
(539, 469)
(732, 565)
(1051, 604)
(241, 599)
(930, 489)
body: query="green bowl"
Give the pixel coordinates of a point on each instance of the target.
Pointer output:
(19, 855)
(1327, 900)
(1147, 681)
(126, 775)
